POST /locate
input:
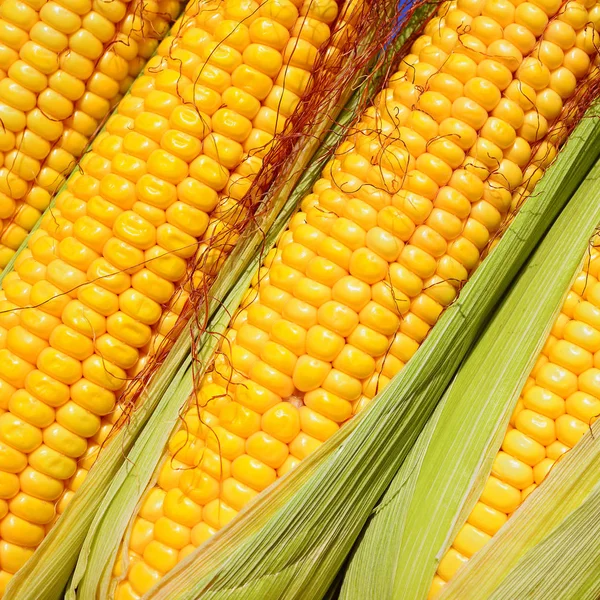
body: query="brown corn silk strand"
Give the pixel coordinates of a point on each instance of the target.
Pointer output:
(138, 25)
(340, 69)
(378, 51)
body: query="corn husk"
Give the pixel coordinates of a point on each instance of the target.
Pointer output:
(125, 479)
(550, 548)
(433, 493)
(291, 541)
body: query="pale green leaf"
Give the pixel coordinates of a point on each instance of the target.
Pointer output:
(549, 549)
(564, 566)
(433, 493)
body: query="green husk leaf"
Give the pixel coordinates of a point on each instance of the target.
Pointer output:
(433, 493)
(291, 541)
(563, 566)
(551, 545)
(333, 593)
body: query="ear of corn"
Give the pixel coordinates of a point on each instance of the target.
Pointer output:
(439, 486)
(537, 549)
(282, 545)
(97, 281)
(44, 577)
(564, 379)
(63, 67)
(556, 407)
(100, 546)
(389, 234)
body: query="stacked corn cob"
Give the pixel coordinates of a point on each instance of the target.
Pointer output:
(557, 406)
(95, 289)
(391, 231)
(63, 66)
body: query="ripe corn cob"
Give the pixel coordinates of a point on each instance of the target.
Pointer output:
(393, 228)
(558, 403)
(312, 27)
(95, 290)
(65, 65)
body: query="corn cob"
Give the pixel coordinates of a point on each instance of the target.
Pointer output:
(557, 405)
(84, 307)
(64, 66)
(393, 228)
(312, 27)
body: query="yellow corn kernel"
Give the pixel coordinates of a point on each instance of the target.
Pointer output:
(267, 448)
